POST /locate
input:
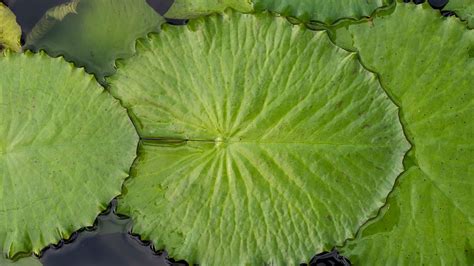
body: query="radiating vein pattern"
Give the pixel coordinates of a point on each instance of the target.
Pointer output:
(302, 145)
(65, 148)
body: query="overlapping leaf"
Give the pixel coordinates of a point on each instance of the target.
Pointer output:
(49, 19)
(263, 142)
(100, 32)
(183, 9)
(322, 10)
(426, 63)
(463, 8)
(65, 148)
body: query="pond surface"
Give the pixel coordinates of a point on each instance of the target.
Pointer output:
(107, 243)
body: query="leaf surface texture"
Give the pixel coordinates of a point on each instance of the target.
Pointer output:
(428, 70)
(65, 148)
(262, 141)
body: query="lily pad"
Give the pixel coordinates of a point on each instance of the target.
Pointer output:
(29, 261)
(65, 148)
(183, 9)
(464, 9)
(101, 32)
(261, 149)
(325, 11)
(10, 31)
(427, 69)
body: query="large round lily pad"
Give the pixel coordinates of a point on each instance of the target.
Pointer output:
(262, 141)
(66, 146)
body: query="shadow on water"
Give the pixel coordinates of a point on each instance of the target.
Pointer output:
(108, 242)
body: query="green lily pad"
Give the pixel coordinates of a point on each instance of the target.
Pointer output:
(65, 148)
(101, 32)
(29, 261)
(464, 9)
(427, 69)
(183, 9)
(10, 31)
(325, 11)
(255, 149)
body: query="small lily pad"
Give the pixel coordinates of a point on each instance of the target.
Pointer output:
(66, 146)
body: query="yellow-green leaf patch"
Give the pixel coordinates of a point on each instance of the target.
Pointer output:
(10, 31)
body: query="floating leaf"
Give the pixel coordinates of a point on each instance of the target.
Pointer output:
(256, 148)
(425, 62)
(463, 8)
(30, 261)
(10, 31)
(100, 32)
(326, 11)
(65, 148)
(183, 9)
(49, 19)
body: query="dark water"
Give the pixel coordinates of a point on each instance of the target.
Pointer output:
(28, 12)
(437, 4)
(108, 242)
